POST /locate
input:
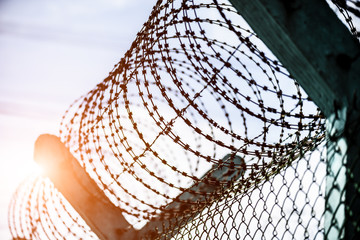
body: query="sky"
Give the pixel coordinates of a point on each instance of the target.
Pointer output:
(51, 53)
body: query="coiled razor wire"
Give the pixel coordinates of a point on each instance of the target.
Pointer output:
(196, 84)
(39, 211)
(168, 108)
(347, 11)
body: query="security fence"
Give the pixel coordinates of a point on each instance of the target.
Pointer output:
(199, 132)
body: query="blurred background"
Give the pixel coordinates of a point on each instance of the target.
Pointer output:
(51, 53)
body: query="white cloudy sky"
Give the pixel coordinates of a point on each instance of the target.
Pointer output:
(52, 52)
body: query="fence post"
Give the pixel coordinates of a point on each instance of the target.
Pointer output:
(217, 177)
(322, 55)
(102, 216)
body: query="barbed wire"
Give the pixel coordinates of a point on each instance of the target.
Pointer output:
(348, 10)
(196, 85)
(169, 106)
(39, 211)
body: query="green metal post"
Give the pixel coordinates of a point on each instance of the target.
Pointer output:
(322, 55)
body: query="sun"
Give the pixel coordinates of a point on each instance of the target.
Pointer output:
(36, 169)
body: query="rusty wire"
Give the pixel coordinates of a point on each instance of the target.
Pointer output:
(195, 85)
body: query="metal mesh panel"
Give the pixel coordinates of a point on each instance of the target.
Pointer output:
(290, 205)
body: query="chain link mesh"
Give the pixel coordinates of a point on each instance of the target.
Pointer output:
(290, 205)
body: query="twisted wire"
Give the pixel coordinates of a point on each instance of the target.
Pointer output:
(195, 85)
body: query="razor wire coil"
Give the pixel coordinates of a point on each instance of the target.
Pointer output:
(195, 85)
